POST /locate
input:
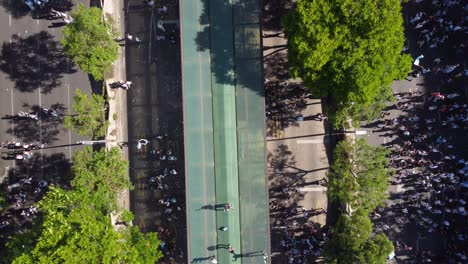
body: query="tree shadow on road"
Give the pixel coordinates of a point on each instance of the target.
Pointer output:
(46, 130)
(35, 62)
(234, 48)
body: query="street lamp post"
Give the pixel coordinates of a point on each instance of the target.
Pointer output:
(356, 132)
(92, 142)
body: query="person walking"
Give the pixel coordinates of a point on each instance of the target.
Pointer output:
(142, 142)
(128, 37)
(228, 207)
(126, 85)
(149, 3)
(231, 249)
(161, 26)
(162, 10)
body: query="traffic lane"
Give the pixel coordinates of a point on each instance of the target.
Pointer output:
(29, 34)
(154, 108)
(6, 90)
(38, 77)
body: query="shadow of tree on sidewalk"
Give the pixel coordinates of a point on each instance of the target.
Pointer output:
(286, 216)
(276, 66)
(35, 62)
(273, 11)
(285, 103)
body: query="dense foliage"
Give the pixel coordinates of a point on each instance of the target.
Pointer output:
(358, 178)
(76, 225)
(90, 115)
(103, 169)
(353, 242)
(89, 41)
(348, 50)
(359, 175)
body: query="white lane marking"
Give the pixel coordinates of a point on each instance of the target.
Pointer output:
(313, 189)
(9, 20)
(40, 129)
(5, 175)
(310, 141)
(69, 113)
(12, 112)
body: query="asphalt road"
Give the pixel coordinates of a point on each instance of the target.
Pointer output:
(34, 72)
(155, 108)
(436, 242)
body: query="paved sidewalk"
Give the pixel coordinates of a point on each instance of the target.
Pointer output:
(117, 131)
(296, 153)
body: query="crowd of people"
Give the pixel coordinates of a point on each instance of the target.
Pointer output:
(20, 195)
(166, 182)
(429, 153)
(42, 113)
(300, 239)
(24, 150)
(431, 170)
(284, 103)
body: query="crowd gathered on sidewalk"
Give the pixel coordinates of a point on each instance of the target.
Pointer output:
(295, 235)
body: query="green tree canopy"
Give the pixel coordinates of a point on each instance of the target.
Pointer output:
(89, 41)
(359, 175)
(102, 173)
(73, 231)
(349, 50)
(352, 241)
(76, 227)
(90, 115)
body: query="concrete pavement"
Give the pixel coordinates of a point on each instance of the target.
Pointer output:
(297, 158)
(117, 132)
(154, 104)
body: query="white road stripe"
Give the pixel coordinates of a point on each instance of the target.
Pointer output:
(40, 128)
(5, 175)
(9, 20)
(12, 111)
(310, 141)
(313, 189)
(69, 113)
